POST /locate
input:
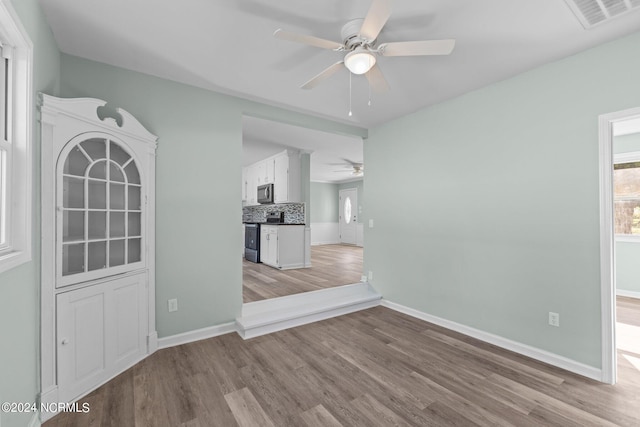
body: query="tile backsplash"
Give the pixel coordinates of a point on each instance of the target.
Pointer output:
(293, 212)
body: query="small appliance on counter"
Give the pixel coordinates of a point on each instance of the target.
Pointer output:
(275, 218)
(265, 194)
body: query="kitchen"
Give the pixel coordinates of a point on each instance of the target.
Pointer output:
(279, 163)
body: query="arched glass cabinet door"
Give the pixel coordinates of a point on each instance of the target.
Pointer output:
(100, 210)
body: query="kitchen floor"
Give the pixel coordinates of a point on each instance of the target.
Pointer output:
(331, 265)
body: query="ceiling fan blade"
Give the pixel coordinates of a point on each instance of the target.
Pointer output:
(418, 48)
(325, 74)
(308, 40)
(376, 79)
(378, 14)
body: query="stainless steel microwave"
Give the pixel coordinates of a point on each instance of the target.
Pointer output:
(265, 194)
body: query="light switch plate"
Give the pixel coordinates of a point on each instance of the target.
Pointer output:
(370, 223)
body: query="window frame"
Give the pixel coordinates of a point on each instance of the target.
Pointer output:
(18, 195)
(631, 156)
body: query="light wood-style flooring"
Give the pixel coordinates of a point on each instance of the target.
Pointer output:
(371, 368)
(331, 265)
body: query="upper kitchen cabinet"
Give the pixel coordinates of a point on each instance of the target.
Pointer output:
(281, 170)
(286, 185)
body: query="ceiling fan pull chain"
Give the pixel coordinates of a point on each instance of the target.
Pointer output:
(369, 85)
(350, 113)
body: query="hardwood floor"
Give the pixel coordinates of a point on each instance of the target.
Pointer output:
(371, 368)
(331, 265)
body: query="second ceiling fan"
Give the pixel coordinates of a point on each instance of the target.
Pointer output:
(359, 41)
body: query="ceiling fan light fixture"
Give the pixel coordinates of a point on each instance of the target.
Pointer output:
(359, 61)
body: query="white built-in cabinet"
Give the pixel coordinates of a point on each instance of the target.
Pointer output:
(282, 246)
(98, 245)
(281, 170)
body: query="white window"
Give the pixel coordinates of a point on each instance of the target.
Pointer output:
(15, 140)
(626, 196)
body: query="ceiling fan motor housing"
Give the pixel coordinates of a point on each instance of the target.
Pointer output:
(351, 35)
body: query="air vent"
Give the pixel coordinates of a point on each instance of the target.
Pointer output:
(594, 12)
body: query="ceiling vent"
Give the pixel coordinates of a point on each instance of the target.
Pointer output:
(594, 12)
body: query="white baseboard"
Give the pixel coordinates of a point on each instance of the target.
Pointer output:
(197, 335)
(35, 420)
(526, 350)
(629, 294)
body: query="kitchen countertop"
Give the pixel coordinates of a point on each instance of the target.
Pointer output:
(270, 223)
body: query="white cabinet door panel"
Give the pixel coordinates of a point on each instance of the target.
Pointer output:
(81, 341)
(101, 331)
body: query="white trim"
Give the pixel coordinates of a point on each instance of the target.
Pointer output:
(626, 238)
(526, 350)
(628, 157)
(607, 265)
(21, 166)
(197, 335)
(35, 420)
(628, 294)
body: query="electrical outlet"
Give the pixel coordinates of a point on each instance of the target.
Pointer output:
(172, 305)
(370, 276)
(363, 278)
(554, 319)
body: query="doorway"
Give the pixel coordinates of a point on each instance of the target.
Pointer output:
(619, 234)
(348, 216)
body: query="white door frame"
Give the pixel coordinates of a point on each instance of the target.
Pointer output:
(607, 264)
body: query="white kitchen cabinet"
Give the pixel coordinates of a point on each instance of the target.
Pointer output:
(286, 184)
(282, 246)
(281, 170)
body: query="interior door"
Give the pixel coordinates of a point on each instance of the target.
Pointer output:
(348, 215)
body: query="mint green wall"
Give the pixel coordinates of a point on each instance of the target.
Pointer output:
(324, 202)
(500, 222)
(359, 185)
(627, 254)
(20, 287)
(199, 157)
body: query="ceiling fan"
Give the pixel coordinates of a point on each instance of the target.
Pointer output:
(357, 168)
(359, 38)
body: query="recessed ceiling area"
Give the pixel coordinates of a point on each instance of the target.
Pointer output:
(263, 138)
(228, 46)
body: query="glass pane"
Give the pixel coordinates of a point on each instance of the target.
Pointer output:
(72, 192)
(347, 210)
(97, 195)
(72, 226)
(72, 259)
(134, 251)
(116, 173)
(118, 154)
(134, 224)
(626, 180)
(134, 198)
(97, 255)
(117, 196)
(627, 216)
(97, 225)
(76, 163)
(96, 148)
(99, 170)
(116, 253)
(132, 173)
(116, 224)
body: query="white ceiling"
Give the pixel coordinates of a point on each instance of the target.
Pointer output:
(263, 138)
(228, 46)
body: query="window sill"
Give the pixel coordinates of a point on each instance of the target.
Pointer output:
(13, 259)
